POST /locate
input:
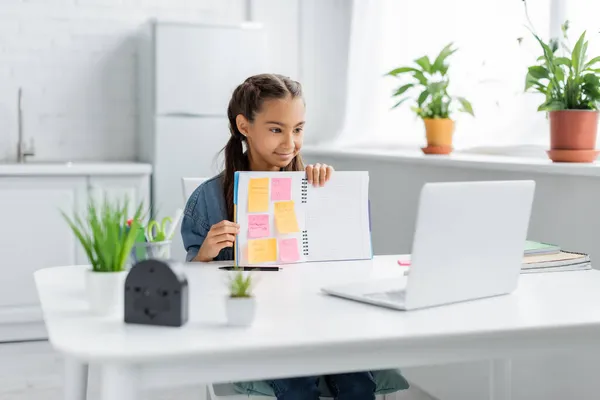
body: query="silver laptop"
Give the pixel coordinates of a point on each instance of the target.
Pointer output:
(468, 244)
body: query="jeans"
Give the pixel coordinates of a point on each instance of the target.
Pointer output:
(351, 386)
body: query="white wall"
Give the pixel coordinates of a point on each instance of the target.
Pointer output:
(324, 45)
(75, 60)
(565, 211)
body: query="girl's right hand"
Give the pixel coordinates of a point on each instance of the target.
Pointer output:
(221, 235)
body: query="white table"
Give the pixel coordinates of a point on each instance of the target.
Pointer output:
(321, 334)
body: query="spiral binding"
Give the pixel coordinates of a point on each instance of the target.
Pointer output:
(304, 190)
(305, 243)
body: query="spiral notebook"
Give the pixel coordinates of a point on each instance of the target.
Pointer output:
(284, 219)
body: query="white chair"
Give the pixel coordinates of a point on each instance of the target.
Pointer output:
(226, 391)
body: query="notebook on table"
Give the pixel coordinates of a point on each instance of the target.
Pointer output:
(536, 248)
(564, 260)
(284, 219)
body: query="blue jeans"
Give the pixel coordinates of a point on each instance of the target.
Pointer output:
(351, 386)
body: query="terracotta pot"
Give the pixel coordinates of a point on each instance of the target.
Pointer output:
(574, 156)
(439, 132)
(573, 129)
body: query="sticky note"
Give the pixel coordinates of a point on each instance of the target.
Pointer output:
(258, 195)
(262, 250)
(258, 226)
(281, 189)
(288, 250)
(285, 217)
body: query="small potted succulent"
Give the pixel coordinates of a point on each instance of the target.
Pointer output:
(241, 304)
(570, 84)
(434, 105)
(107, 241)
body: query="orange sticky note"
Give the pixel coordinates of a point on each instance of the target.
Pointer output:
(288, 250)
(258, 195)
(262, 250)
(285, 217)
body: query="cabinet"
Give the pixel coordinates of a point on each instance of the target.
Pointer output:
(34, 235)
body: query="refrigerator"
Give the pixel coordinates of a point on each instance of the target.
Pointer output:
(186, 74)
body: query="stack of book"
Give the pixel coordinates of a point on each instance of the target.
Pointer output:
(543, 257)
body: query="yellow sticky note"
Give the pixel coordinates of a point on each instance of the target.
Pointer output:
(258, 195)
(285, 217)
(262, 250)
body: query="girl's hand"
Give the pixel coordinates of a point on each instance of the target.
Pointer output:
(318, 174)
(221, 235)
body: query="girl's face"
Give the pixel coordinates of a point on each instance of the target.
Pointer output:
(275, 136)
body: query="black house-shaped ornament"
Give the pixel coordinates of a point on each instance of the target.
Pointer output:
(155, 294)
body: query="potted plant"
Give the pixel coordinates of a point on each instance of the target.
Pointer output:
(571, 87)
(107, 241)
(241, 305)
(433, 104)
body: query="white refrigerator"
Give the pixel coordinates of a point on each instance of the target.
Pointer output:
(187, 73)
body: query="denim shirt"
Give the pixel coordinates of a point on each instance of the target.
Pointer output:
(205, 207)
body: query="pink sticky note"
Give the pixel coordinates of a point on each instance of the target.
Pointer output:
(258, 226)
(281, 189)
(288, 250)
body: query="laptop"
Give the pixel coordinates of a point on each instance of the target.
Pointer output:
(468, 244)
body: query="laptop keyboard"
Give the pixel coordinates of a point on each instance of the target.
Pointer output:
(394, 296)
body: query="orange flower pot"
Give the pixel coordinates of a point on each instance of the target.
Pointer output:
(439, 132)
(573, 135)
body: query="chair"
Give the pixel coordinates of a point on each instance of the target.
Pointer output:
(226, 391)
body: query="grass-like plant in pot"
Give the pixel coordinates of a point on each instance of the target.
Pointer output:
(571, 86)
(241, 304)
(433, 104)
(107, 241)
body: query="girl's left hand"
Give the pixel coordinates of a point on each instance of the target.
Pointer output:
(318, 174)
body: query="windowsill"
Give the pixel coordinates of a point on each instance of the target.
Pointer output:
(534, 161)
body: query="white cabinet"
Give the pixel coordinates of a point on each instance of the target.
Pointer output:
(35, 235)
(135, 188)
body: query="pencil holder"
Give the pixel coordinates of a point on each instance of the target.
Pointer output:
(150, 250)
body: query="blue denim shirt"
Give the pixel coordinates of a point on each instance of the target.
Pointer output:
(205, 207)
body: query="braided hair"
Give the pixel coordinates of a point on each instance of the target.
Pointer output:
(247, 100)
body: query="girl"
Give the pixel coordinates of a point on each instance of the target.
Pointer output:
(267, 113)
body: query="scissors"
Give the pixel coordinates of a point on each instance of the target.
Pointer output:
(160, 233)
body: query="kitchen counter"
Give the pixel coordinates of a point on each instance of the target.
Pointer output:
(74, 168)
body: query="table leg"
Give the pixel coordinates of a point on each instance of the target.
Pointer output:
(119, 382)
(75, 380)
(500, 379)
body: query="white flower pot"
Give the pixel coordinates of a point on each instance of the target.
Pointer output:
(240, 310)
(105, 291)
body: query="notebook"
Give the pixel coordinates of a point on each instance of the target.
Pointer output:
(284, 219)
(532, 247)
(562, 259)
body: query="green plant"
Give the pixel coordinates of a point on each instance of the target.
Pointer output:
(104, 234)
(240, 284)
(564, 76)
(432, 80)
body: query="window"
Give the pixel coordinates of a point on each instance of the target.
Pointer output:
(494, 50)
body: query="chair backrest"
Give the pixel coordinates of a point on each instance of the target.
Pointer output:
(189, 185)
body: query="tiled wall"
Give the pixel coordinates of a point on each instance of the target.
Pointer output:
(76, 62)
